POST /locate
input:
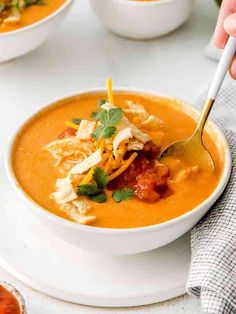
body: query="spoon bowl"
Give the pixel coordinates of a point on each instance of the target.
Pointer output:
(191, 149)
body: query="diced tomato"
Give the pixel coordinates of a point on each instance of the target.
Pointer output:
(152, 183)
(67, 133)
(148, 180)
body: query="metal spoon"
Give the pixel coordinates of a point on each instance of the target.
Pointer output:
(193, 148)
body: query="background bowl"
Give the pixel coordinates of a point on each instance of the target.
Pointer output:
(142, 19)
(21, 41)
(133, 240)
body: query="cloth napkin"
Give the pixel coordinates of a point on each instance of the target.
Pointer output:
(212, 276)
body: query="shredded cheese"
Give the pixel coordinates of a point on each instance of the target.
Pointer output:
(105, 156)
(108, 164)
(109, 147)
(88, 176)
(102, 145)
(126, 164)
(109, 91)
(72, 125)
(119, 159)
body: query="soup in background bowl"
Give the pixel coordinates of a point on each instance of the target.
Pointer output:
(155, 213)
(18, 14)
(27, 28)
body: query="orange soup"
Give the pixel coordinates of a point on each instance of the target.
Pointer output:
(25, 12)
(116, 178)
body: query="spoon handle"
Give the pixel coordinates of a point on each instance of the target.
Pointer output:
(223, 66)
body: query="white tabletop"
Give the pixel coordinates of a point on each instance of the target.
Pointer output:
(81, 54)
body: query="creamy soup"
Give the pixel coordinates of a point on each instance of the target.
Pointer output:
(181, 186)
(25, 12)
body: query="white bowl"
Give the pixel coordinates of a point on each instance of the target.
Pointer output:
(23, 40)
(133, 240)
(142, 19)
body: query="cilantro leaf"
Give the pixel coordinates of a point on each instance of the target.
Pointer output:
(109, 131)
(2, 6)
(98, 132)
(76, 121)
(122, 195)
(94, 191)
(98, 198)
(100, 177)
(101, 102)
(98, 114)
(110, 117)
(108, 120)
(34, 2)
(87, 189)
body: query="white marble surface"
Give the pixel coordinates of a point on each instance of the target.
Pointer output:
(80, 55)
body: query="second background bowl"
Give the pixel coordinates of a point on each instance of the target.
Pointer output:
(142, 19)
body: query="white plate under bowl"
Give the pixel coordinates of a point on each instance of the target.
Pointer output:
(39, 259)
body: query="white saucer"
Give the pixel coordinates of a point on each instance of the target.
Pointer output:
(39, 259)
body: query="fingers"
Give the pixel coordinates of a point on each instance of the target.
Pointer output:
(226, 25)
(230, 28)
(220, 36)
(230, 24)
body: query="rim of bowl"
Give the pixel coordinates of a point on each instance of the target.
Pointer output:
(42, 21)
(101, 230)
(144, 3)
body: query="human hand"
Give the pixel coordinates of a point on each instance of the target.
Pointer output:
(226, 25)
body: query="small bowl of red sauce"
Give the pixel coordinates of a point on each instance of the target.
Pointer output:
(11, 301)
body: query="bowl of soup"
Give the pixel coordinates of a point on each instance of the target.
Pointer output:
(142, 19)
(87, 168)
(26, 24)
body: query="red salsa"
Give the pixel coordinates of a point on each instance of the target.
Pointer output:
(8, 302)
(145, 176)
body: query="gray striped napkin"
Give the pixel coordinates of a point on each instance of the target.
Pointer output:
(212, 276)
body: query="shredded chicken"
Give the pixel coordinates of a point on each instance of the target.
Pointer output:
(86, 128)
(74, 214)
(82, 205)
(70, 148)
(185, 174)
(140, 116)
(64, 191)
